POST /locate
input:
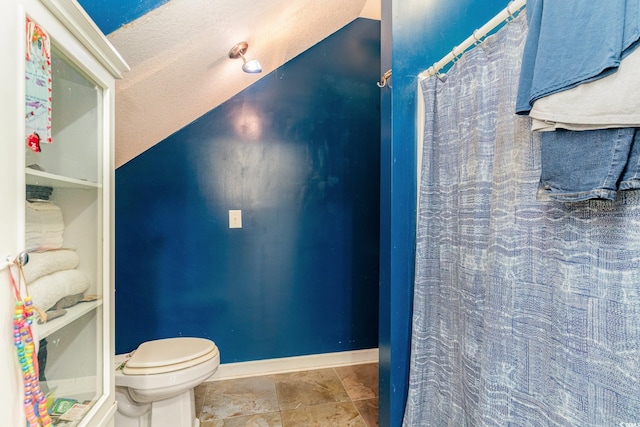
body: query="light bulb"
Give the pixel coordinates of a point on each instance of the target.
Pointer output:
(252, 66)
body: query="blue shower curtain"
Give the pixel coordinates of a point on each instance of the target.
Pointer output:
(526, 312)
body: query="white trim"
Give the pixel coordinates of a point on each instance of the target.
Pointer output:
(228, 371)
(107, 419)
(78, 22)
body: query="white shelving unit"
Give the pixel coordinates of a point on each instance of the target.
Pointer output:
(73, 314)
(36, 177)
(76, 349)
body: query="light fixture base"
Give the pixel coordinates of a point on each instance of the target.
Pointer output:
(238, 50)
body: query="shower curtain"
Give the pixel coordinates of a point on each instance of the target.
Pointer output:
(526, 312)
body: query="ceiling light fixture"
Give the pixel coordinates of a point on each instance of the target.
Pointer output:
(238, 51)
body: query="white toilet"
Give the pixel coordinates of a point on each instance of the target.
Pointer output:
(154, 384)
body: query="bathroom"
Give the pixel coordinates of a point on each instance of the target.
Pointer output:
(414, 48)
(260, 291)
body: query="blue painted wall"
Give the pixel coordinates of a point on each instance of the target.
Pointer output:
(109, 15)
(415, 35)
(299, 153)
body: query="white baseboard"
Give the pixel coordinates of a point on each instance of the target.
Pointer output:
(228, 371)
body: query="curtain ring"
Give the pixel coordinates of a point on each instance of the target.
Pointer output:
(437, 72)
(455, 55)
(433, 72)
(510, 18)
(475, 37)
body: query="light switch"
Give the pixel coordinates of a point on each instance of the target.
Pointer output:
(235, 218)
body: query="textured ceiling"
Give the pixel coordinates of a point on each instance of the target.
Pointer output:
(179, 61)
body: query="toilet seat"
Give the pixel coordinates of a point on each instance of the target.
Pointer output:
(168, 355)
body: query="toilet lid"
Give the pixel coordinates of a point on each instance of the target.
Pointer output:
(169, 351)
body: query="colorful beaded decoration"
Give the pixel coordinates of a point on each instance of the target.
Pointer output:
(35, 402)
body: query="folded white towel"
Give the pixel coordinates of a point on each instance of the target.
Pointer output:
(49, 289)
(44, 226)
(43, 263)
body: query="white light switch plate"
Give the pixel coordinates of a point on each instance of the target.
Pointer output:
(235, 218)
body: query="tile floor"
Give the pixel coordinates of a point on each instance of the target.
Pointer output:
(345, 396)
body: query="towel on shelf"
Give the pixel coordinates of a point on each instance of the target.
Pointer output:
(47, 262)
(44, 226)
(48, 290)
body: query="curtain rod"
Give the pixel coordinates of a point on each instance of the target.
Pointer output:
(506, 14)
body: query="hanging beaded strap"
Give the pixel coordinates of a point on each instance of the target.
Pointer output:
(35, 402)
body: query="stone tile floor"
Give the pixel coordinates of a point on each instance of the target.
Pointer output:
(345, 396)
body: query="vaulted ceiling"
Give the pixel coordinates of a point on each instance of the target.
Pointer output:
(180, 67)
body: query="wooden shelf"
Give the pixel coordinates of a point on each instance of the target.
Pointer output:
(72, 314)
